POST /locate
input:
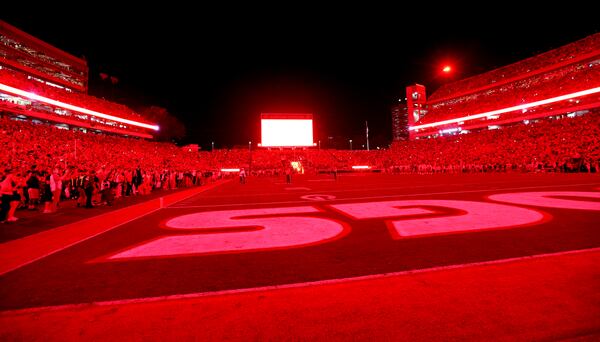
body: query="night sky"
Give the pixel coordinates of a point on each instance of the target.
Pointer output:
(217, 70)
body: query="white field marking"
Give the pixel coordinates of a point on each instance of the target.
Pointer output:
(295, 285)
(274, 233)
(477, 216)
(358, 189)
(297, 188)
(386, 188)
(544, 199)
(380, 197)
(75, 243)
(4, 271)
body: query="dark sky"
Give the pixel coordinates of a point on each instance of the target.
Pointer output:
(217, 70)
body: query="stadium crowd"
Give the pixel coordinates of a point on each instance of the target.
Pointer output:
(43, 164)
(559, 57)
(20, 81)
(558, 82)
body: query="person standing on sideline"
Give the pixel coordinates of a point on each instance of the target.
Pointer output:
(55, 188)
(33, 187)
(7, 185)
(243, 176)
(288, 175)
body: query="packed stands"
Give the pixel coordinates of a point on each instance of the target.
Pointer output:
(38, 80)
(31, 56)
(574, 52)
(567, 70)
(81, 161)
(30, 107)
(560, 144)
(70, 164)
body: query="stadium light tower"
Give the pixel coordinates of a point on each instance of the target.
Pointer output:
(249, 145)
(212, 146)
(350, 141)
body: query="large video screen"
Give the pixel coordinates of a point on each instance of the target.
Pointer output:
(286, 130)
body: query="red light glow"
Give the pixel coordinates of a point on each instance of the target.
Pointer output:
(39, 98)
(510, 109)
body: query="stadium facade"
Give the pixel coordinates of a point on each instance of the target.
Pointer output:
(39, 82)
(399, 122)
(563, 81)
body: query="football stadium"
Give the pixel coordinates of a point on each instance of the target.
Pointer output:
(478, 221)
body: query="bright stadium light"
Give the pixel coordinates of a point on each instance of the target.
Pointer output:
(286, 130)
(447, 69)
(510, 109)
(39, 98)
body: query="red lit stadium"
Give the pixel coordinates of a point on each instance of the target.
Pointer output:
(479, 221)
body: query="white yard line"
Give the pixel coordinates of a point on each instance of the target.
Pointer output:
(378, 197)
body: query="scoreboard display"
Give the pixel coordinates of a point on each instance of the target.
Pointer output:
(286, 130)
